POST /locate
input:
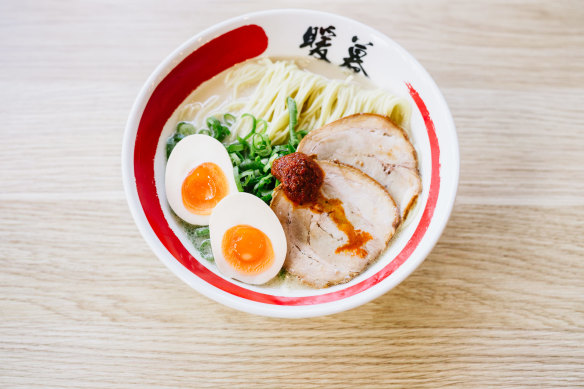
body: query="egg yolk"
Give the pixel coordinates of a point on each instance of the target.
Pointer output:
(247, 249)
(203, 188)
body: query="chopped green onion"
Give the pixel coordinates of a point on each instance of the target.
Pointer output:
(279, 149)
(293, 141)
(249, 164)
(185, 128)
(248, 175)
(235, 158)
(261, 145)
(253, 124)
(252, 156)
(219, 131)
(265, 124)
(213, 122)
(225, 132)
(237, 178)
(268, 165)
(205, 131)
(202, 232)
(266, 192)
(282, 274)
(171, 143)
(235, 147)
(253, 181)
(205, 250)
(262, 182)
(229, 119)
(243, 142)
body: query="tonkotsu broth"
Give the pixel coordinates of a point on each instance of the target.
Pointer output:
(215, 95)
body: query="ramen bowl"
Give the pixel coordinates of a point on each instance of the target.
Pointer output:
(301, 34)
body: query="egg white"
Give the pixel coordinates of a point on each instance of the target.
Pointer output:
(189, 153)
(244, 208)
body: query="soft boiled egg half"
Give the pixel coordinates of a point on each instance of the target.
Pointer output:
(247, 239)
(198, 176)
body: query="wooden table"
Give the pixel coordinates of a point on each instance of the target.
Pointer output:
(498, 303)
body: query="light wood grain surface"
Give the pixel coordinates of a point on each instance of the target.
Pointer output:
(498, 303)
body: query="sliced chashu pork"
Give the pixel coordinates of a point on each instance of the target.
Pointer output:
(374, 145)
(317, 247)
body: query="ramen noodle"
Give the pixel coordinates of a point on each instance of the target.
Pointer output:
(260, 87)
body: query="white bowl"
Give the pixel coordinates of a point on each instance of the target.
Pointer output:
(280, 33)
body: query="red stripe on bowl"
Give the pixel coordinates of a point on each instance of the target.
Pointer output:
(207, 61)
